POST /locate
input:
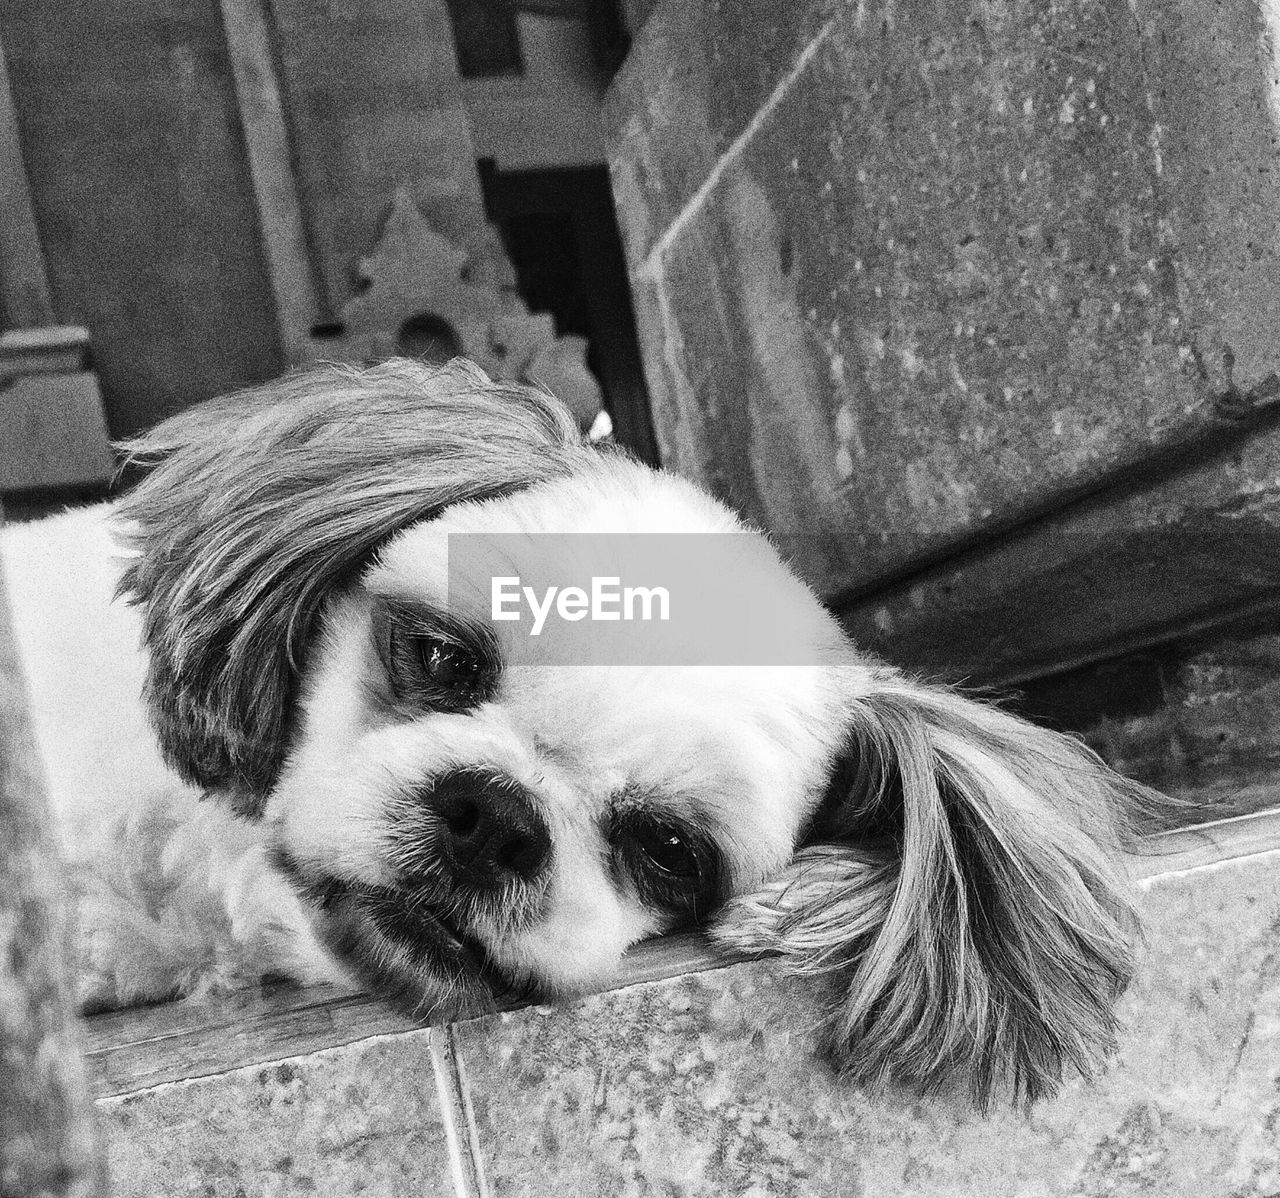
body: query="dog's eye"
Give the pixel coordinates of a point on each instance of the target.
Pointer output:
(667, 850)
(673, 865)
(448, 665)
(431, 663)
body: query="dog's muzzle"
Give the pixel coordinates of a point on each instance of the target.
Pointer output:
(469, 849)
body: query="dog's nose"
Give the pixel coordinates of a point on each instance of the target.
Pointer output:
(492, 832)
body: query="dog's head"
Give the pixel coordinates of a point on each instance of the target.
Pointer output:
(464, 817)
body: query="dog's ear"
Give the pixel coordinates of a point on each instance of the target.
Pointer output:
(968, 894)
(255, 507)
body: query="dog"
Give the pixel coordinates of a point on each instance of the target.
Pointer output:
(274, 749)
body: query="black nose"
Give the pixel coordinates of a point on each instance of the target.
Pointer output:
(492, 832)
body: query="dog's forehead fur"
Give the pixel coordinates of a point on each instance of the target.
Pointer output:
(614, 496)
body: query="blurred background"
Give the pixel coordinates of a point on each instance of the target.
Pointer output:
(973, 308)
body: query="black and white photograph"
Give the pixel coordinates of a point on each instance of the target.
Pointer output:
(632, 598)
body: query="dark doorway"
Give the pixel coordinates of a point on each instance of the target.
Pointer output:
(562, 238)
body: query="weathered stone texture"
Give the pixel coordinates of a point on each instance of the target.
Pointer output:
(362, 1119)
(383, 113)
(709, 1084)
(143, 197)
(942, 267)
(1121, 570)
(692, 86)
(1217, 726)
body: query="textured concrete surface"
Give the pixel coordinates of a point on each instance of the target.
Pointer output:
(362, 1119)
(1132, 566)
(1198, 716)
(709, 1084)
(1217, 726)
(907, 273)
(382, 113)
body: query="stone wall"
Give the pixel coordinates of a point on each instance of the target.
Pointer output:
(909, 275)
(143, 199)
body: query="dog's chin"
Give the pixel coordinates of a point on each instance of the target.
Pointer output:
(414, 956)
(411, 954)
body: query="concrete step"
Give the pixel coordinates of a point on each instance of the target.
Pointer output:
(703, 1080)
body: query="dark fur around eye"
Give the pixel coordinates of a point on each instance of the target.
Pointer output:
(673, 864)
(432, 661)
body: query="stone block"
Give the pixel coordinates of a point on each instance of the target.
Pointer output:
(713, 1083)
(710, 1085)
(1139, 564)
(372, 94)
(361, 1119)
(143, 198)
(693, 84)
(1199, 716)
(944, 269)
(52, 431)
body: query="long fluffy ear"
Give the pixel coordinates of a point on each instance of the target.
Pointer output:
(256, 506)
(970, 899)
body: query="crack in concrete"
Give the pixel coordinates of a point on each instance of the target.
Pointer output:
(1233, 402)
(465, 1158)
(1234, 1071)
(691, 206)
(1266, 970)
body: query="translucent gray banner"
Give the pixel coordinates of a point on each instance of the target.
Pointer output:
(636, 599)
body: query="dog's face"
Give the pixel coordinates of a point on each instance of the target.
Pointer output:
(465, 816)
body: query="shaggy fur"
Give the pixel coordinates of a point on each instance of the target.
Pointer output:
(958, 873)
(971, 902)
(242, 533)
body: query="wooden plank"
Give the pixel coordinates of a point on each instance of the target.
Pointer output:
(147, 1046)
(1215, 843)
(266, 136)
(25, 298)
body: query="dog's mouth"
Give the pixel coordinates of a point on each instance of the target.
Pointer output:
(413, 953)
